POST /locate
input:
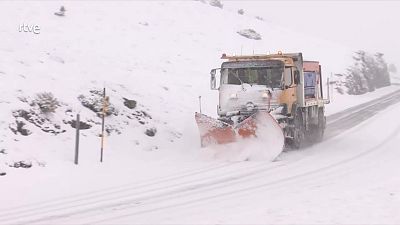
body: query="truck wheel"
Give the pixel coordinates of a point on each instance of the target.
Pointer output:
(298, 137)
(320, 128)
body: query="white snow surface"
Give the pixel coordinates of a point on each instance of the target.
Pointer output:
(159, 53)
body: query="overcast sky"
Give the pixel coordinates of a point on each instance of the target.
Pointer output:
(369, 25)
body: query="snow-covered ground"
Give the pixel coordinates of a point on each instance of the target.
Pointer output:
(159, 53)
(336, 181)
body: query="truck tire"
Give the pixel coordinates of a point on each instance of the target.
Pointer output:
(298, 133)
(320, 129)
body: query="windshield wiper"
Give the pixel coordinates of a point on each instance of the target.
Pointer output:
(241, 82)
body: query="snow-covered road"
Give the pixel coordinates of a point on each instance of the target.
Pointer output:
(342, 121)
(349, 178)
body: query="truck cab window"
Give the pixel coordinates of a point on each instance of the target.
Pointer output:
(288, 76)
(271, 77)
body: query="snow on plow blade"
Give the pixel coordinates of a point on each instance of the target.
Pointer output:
(214, 131)
(261, 125)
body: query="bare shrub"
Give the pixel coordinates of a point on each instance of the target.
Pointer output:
(47, 102)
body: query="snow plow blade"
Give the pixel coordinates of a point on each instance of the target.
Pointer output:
(214, 131)
(261, 125)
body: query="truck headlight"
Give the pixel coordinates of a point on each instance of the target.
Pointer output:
(266, 94)
(250, 106)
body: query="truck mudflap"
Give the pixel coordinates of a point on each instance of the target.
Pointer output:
(260, 125)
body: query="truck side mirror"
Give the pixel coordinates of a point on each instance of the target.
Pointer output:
(213, 81)
(296, 77)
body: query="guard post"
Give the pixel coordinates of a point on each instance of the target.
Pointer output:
(77, 126)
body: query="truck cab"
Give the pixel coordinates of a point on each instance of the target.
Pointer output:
(249, 83)
(283, 85)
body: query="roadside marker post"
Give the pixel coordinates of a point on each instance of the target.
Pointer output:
(200, 103)
(77, 127)
(102, 124)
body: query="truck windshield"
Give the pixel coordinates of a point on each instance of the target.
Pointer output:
(269, 76)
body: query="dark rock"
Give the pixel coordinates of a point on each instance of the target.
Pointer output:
(41, 164)
(259, 18)
(151, 132)
(146, 114)
(23, 99)
(61, 12)
(94, 122)
(3, 173)
(250, 34)
(112, 129)
(22, 113)
(82, 125)
(21, 164)
(131, 104)
(34, 118)
(19, 128)
(141, 116)
(94, 102)
(96, 92)
(216, 3)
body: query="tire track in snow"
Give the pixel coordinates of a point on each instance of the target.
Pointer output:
(127, 201)
(359, 114)
(111, 190)
(101, 197)
(357, 108)
(288, 179)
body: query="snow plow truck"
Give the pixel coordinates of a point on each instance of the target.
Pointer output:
(273, 97)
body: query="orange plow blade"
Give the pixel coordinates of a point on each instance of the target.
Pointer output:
(261, 125)
(214, 131)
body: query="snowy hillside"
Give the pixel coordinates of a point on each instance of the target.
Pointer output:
(157, 54)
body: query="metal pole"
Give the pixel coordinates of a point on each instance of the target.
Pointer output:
(77, 126)
(102, 124)
(329, 92)
(200, 103)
